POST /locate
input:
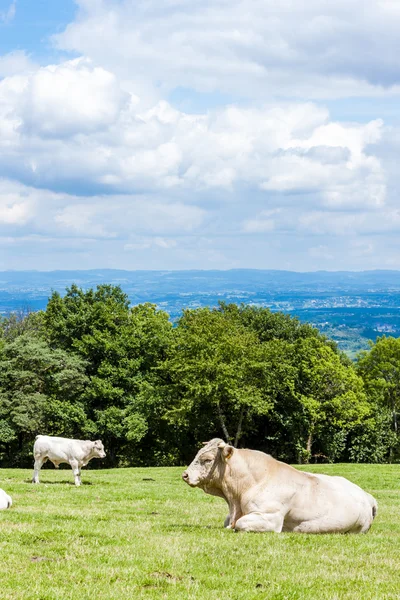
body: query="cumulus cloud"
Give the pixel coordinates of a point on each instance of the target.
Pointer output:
(249, 47)
(100, 217)
(74, 123)
(15, 208)
(70, 98)
(95, 153)
(15, 62)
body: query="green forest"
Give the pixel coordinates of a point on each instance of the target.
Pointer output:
(93, 366)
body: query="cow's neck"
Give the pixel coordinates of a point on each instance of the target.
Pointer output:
(238, 476)
(214, 490)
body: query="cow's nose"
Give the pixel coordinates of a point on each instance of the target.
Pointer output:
(185, 475)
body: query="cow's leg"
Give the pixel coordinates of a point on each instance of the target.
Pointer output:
(227, 522)
(260, 522)
(76, 471)
(38, 465)
(234, 515)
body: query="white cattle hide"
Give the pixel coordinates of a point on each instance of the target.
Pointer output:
(5, 500)
(76, 453)
(264, 494)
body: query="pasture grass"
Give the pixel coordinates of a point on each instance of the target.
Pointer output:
(143, 533)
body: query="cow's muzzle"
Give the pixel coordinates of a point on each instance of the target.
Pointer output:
(186, 479)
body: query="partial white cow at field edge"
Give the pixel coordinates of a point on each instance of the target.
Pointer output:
(76, 453)
(264, 494)
(5, 500)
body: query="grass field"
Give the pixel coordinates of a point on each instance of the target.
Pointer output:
(143, 533)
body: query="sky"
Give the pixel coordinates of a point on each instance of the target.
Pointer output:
(178, 134)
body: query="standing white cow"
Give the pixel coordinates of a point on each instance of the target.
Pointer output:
(76, 453)
(264, 494)
(5, 500)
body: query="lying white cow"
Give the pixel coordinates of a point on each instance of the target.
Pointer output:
(5, 500)
(76, 453)
(264, 494)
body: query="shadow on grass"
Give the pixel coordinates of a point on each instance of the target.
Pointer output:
(56, 483)
(192, 527)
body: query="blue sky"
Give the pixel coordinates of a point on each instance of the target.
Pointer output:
(177, 134)
(33, 24)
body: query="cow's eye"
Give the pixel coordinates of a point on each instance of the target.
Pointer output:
(207, 461)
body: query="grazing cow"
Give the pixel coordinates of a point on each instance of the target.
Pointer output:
(76, 453)
(5, 500)
(264, 494)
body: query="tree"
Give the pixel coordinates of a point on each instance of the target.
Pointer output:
(40, 391)
(120, 346)
(373, 440)
(331, 395)
(213, 372)
(20, 322)
(380, 369)
(268, 325)
(316, 400)
(91, 365)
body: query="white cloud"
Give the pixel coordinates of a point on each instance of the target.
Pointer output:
(101, 217)
(15, 62)
(113, 216)
(308, 49)
(75, 124)
(93, 155)
(13, 211)
(80, 219)
(16, 208)
(71, 98)
(350, 224)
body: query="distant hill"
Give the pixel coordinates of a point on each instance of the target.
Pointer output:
(350, 307)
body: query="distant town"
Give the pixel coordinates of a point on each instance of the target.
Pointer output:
(348, 307)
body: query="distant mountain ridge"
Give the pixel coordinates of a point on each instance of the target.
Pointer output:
(350, 278)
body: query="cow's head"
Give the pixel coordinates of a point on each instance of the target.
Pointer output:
(98, 449)
(207, 467)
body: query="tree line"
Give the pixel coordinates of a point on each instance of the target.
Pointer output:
(93, 366)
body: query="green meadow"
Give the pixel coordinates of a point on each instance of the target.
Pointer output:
(143, 533)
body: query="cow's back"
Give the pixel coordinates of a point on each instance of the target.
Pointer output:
(47, 442)
(54, 447)
(310, 502)
(330, 504)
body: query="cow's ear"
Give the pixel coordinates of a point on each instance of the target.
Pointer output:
(226, 450)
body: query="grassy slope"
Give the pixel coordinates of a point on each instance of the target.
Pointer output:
(122, 536)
